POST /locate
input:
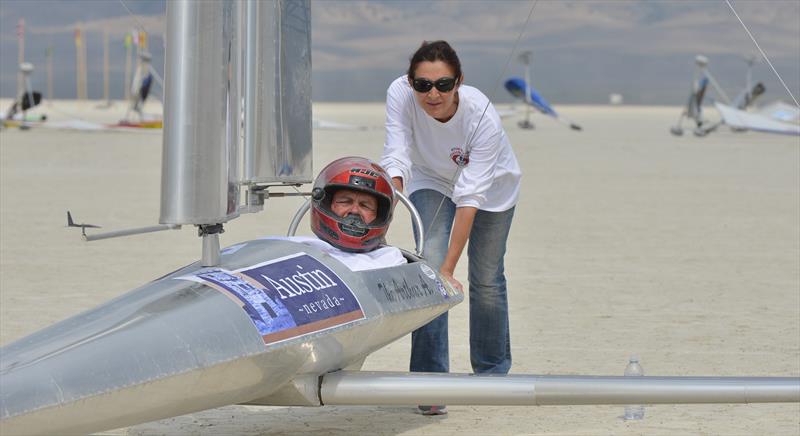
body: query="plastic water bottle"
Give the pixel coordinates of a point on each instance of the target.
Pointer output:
(633, 411)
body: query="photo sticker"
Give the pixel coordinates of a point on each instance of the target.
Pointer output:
(287, 297)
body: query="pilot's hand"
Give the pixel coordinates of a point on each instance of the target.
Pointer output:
(453, 282)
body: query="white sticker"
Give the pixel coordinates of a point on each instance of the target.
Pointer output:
(428, 271)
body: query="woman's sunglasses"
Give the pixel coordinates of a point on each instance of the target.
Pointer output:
(445, 84)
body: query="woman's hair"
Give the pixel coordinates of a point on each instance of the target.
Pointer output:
(432, 52)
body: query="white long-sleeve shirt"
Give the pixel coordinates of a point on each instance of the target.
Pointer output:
(424, 151)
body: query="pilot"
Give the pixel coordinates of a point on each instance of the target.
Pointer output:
(352, 204)
(141, 84)
(351, 208)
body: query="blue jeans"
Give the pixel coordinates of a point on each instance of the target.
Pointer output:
(489, 342)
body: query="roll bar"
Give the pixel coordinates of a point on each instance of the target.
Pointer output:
(416, 221)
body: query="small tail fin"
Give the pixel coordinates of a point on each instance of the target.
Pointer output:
(71, 223)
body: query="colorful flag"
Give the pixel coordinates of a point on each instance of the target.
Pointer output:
(143, 40)
(128, 40)
(77, 37)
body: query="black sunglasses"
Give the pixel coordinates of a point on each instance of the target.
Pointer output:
(445, 84)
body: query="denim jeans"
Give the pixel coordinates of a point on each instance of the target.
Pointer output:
(489, 342)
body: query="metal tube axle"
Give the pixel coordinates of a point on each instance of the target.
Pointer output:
(388, 388)
(129, 232)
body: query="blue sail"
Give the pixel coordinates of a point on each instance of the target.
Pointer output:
(516, 86)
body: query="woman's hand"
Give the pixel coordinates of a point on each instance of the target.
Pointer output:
(398, 183)
(398, 187)
(462, 225)
(453, 282)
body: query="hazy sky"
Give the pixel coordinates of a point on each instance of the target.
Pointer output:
(583, 50)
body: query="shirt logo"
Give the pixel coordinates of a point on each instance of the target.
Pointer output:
(460, 157)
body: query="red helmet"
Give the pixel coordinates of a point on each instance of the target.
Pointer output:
(347, 233)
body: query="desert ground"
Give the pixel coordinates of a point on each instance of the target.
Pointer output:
(626, 240)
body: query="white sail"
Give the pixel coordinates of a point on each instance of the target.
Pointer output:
(781, 111)
(755, 121)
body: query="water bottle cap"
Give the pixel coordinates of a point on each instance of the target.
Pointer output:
(634, 358)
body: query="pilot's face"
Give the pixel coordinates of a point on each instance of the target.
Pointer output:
(347, 201)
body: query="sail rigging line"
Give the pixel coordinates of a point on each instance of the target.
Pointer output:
(141, 28)
(138, 23)
(764, 55)
(468, 144)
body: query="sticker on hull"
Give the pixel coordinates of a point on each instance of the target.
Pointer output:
(287, 297)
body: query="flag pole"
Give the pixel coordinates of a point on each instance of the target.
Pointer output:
(127, 83)
(20, 55)
(49, 56)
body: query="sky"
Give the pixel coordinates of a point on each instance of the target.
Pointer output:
(582, 50)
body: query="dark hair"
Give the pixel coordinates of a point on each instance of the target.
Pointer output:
(432, 52)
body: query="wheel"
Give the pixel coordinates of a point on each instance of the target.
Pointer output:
(525, 124)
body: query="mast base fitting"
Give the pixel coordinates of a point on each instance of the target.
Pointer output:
(209, 229)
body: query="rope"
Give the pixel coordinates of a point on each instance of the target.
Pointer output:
(468, 145)
(138, 23)
(764, 55)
